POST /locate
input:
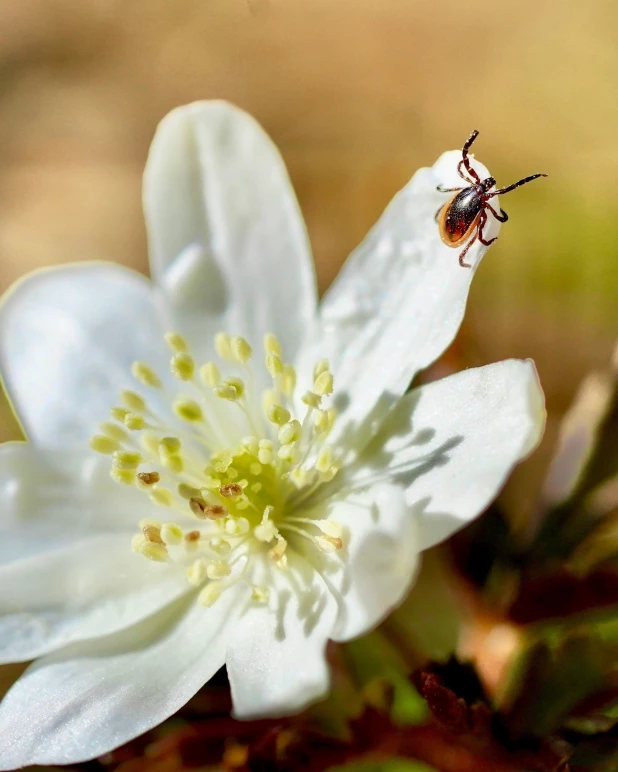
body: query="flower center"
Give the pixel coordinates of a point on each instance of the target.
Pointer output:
(236, 465)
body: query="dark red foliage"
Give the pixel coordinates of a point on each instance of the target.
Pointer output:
(561, 593)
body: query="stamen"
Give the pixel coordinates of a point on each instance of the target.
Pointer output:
(176, 342)
(182, 366)
(210, 375)
(103, 444)
(133, 401)
(188, 410)
(223, 346)
(241, 350)
(147, 377)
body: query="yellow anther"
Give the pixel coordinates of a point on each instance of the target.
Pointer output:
(150, 442)
(148, 521)
(269, 397)
(126, 459)
(188, 410)
(288, 381)
(271, 344)
(227, 390)
(119, 413)
(274, 365)
(218, 569)
(137, 542)
(330, 528)
(236, 383)
(221, 461)
(301, 477)
(182, 366)
(256, 487)
(265, 452)
(260, 594)
(324, 460)
(172, 534)
(169, 446)
(196, 573)
(174, 464)
(232, 473)
(197, 505)
(324, 420)
(255, 468)
(210, 594)
(188, 492)
(241, 350)
(210, 484)
(154, 552)
(278, 551)
(277, 414)
(145, 375)
(334, 468)
(103, 444)
(323, 384)
(123, 476)
(290, 452)
(237, 526)
(322, 366)
(220, 546)
(145, 480)
(223, 346)
(176, 341)
(134, 422)
(311, 399)
(163, 497)
(133, 401)
(250, 444)
(328, 543)
(210, 375)
(289, 432)
(113, 431)
(266, 531)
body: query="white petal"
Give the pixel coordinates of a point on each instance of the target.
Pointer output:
(396, 304)
(68, 337)
(90, 697)
(374, 571)
(453, 443)
(89, 589)
(276, 656)
(50, 499)
(227, 241)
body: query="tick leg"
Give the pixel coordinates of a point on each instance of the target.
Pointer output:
(465, 250)
(447, 190)
(516, 185)
(464, 158)
(479, 231)
(438, 213)
(465, 176)
(502, 217)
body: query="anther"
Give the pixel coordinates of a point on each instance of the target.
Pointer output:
(250, 444)
(210, 375)
(321, 366)
(230, 491)
(289, 432)
(134, 422)
(260, 594)
(323, 384)
(133, 401)
(188, 410)
(192, 539)
(278, 551)
(328, 543)
(154, 552)
(210, 594)
(171, 534)
(188, 492)
(148, 478)
(277, 414)
(113, 431)
(176, 341)
(126, 459)
(196, 573)
(288, 382)
(223, 346)
(237, 526)
(142, 373)
(197, 506)
(271, 344)
(162, 496)
(311, 399)
(274, 365)
(103, 444)
(218, 569)
(290, 453)
(182, 366)
(119, 413)
(152, 534)
(241, 350)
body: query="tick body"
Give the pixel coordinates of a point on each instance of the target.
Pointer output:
(464, 215)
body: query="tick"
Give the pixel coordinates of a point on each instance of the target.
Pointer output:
(465, 214)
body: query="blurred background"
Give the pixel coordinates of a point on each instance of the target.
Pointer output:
(357, 94)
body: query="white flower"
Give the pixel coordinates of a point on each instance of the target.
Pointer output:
(276, 482)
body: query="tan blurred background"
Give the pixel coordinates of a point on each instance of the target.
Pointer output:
(358, 94)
